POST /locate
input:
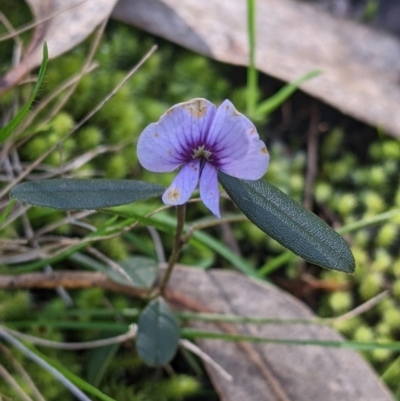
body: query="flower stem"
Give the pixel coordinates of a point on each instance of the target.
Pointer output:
(180, 216)
(252, 74)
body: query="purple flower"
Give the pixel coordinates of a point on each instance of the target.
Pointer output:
(200, 139)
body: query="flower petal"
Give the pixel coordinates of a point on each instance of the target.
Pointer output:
(183, 184)
(152, 150)
(167, 144)
(236, 146)
(209, 192)
(251, 167)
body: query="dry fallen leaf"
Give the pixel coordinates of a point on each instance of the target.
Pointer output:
(62, 25)
(361, 66)
(270, 371)
(260, 371)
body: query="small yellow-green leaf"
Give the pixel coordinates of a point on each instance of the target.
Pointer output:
(76, 194)
(289, 223)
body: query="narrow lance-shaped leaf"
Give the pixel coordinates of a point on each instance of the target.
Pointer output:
(98, 361)
(6, 212)
(9, 128)
(158, 333)
(75, 194)
(269, 105)
(289, 223)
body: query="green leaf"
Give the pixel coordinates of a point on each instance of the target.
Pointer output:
(289, 223)
(158, 333)
(98, 361)
(75, 194)
(143, 271)
(167, 224)
(268, 106)
(82, 384)
(6, 212)
(9, 128)
(70, 325)
(193, 334)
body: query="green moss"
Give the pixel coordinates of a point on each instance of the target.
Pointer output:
(196, 72)
(49, 135)
(35, 148)
(323, 192)
(360, 177)
(297, 185)
(381, 355)
(382, 330)
(397, 198)
(178, 387)
(390, 149)
(114, 248)
(392, 318)
(127, 126)
(116, 166)
(376, 151)
(13, 304)
(374, 203)
(364, 334)
(90, 298)
(86, 171)
(362, 238)
(362, 261)
(346, 190)
(333, 143)
(340, 301)
(352, 190)
(371, 285)
(339, 171)
(61, 124)
(382, 260)
(152, 109)
(396, 289)
(348, 327)
(387, 235)
(89, 137)
(299, 162)
(130, 156)
(346, 204)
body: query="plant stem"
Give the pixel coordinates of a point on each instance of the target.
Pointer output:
(252, 76)
(189, 333)
(368, 221)
(180, 216)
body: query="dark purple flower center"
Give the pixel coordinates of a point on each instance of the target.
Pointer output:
(201, 151)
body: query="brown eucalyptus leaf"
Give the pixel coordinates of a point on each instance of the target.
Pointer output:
(361, 66)
(269, 371)
(63, 25)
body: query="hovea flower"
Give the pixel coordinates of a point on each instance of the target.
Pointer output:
(200, 139)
